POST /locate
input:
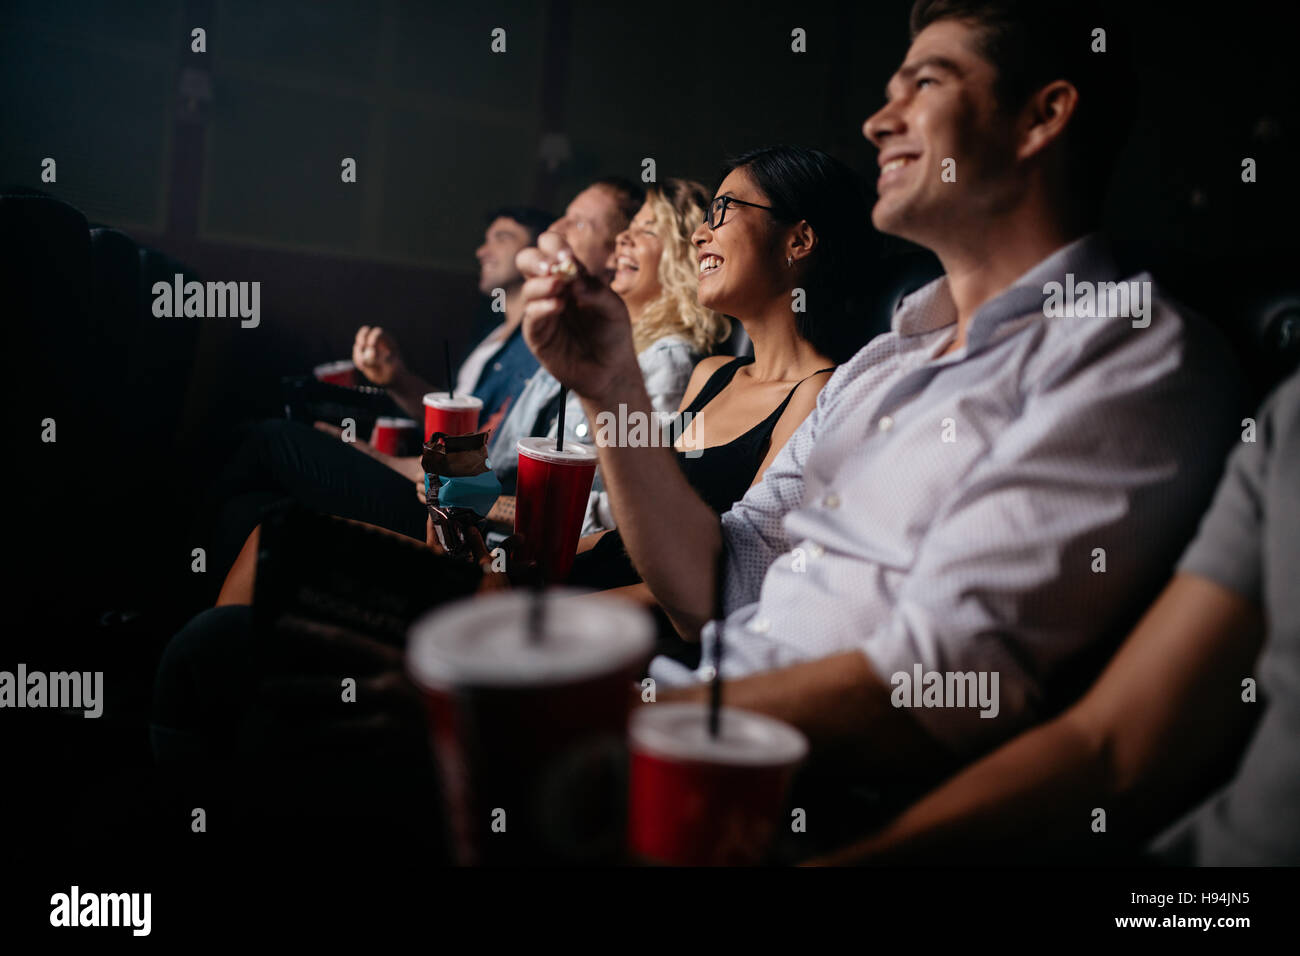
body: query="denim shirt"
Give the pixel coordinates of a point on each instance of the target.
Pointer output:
(666, 364)
(506, 373)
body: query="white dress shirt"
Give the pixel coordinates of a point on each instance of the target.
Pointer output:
(948, 511)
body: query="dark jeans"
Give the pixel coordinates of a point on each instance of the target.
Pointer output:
(203, 679)
(266, 780)
(280, 459)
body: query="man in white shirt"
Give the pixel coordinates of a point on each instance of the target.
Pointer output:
(589, 224)
(986, 493)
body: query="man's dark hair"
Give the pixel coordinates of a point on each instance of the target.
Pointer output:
(627, 194)
(1033, 42)
(536, 221)
(808, 184)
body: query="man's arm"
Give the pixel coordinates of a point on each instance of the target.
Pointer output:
(580, 331)
(376, 355)
(843, 708)
(672, 536)
(1160, 725)
(408, 390)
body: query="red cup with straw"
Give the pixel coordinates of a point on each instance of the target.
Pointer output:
(708, 783)
(448, 412)
(696, 799)
(551, 492)
(451, 414)
(527, 698)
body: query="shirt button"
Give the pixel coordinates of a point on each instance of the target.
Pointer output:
(708, 672)
(816, 550)
(831, 501)
(581, 430)
(496, 366)
(886, 423)
(760, 625)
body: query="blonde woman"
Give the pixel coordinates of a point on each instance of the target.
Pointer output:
(657, 277)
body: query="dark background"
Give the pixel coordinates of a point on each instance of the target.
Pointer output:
(243, 184)
(229, 163)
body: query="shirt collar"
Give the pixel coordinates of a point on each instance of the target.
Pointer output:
(930, 307)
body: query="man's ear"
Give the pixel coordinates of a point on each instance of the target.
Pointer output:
(1045, 115)
(801, 242)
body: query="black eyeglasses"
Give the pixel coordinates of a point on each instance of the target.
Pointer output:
(718, 209)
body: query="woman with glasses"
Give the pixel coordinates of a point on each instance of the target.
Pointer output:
(781, 248)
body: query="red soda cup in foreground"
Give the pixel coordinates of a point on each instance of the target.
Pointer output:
(699, 800)
(528, 720)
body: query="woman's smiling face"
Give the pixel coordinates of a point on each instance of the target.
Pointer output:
(637, 252)
(737, 260)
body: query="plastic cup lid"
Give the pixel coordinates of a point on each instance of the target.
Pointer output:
(343, 365)
(444, 400)
(385, 422)
(745, 739)
(574, 453)
(484, 641)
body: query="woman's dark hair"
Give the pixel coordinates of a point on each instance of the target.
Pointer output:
(808, 184)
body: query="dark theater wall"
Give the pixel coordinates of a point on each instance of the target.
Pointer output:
(229, 160)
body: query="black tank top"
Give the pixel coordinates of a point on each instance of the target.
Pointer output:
(720, 474)
(723, 473)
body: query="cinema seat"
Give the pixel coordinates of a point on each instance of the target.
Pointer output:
(1270, 343)
(104, 499)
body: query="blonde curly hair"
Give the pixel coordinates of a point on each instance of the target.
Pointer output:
(678, 204)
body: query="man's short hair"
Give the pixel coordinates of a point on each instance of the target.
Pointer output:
(1033, 42)
(627, 194)
(536, 221)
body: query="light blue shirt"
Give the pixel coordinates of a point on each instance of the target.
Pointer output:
(955, 512)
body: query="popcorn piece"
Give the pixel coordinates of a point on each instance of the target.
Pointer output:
(565, 268)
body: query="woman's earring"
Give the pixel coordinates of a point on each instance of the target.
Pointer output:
(788, 262)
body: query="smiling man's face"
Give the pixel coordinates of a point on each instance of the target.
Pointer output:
(941, 105)
(502, 241)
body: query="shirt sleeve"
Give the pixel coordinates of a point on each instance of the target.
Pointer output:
(666, 367)
(1044, 554)
(753, 531)
(1228, 548)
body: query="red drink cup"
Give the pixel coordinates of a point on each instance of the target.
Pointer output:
(396, 436)
(551, 499)
(451, 415)
(337, 373)
(531, 735)
(700, 801)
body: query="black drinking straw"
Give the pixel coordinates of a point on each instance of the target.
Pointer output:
(715, 688)
(536, 611)
(559, 434)
(446, 361)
